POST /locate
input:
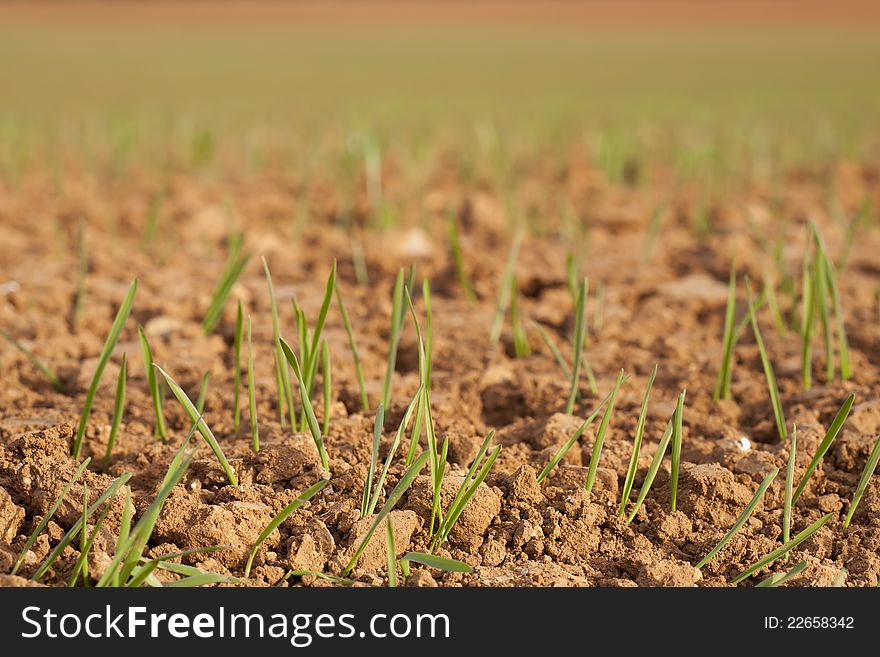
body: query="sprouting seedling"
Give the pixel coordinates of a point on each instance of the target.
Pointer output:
(235, 264)
(742, 518)
(782, 551)
(464, 278)
(600, 434)
(577, 344)
(571, 275)
(344, 581)
(637, 445)
(867, 473)
(398, 437)
(840, 579)
(282, 374)
(391, 553)
(429, 330)
(653, 469)
(722, 383)
(308, 411)
(236, 368)
(469, 485)
(327, 386)
(82, 269)
(393, 497)
(831, 281)
(252, 391)
(202, 426)
(821, 303)
(81, 565)
(144, 571)
(521, 346)
(768, 367)
(789, 486)
(568, 444)
(507, 277)
(433, 561)
(808, 320)
(769, 290)
(203, 393)
(35, 361)
(282, 515)
(359, 370)
(862, 217)
(779, 579)
(311, 352)
(118, 408)
(437, 463)
(393, 337)
(677, 435)
(153, 384)
(109, 345)
(46, 518)
(830, 435)
(374, 457)
(557, 356)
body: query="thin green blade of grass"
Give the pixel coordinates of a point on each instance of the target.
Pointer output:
(314, 573)
(722, 383)
(232, 271)
(821, 302)
(236, 368)
(742, 518)
(81, 565)
(789, 485)
(768, 367)
(252, 392)
(153, 384)
(831, 280)
(773, 304)
(281, 516)
(359, 370)
(391, 553)
(521, 346)
(314, 348)
(577, 344)
(203, 428)
(44, 369)
(554, 350)
(308, 411)
(374, 458)
(867, 473)
(652, 471)
(464, 279)
(429, 331)
(327, 386)
(781, 578)
(600, 434)
(124, 526)
(34, 535)
(106, 352)
(118, 408)
(785, 549)
(282, 374)
(202, 579)
(203, 393)
(393, 337)
(637, 445)
(830, 435)
(425, 357)
(677, 435)
(393, 497)
(440, 563)
(808, 320)
(503, 300)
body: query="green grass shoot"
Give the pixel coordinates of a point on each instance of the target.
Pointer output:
(153, 384)
(521, 346)
(109, 345)
(507, 277)
(558, 357)
(867, 473)
(118, 408)
(677, 435)
(236, 368)
(252, 391)
(203, 393)
(312, 355)
(391, 553)
(202, 426)
(429, 331)
(29, 543)
(359, 370)
(821, 304)
(467, 287)
(282, 373)
(742, 518)
(722, 383)
(637, 446)
(306, 402)
(393, 497)
(808, 320)
(600, 434)
(768, 367)
(769, 290)
(327, 386)
(779, 579)
(88, 539)
(789, 486)
(830, 435)
(398, 437)
(440, 563)
(44, 369)
(598, 308)
(831, 281)
(282, 515)
(577, 344)
(235, 264)
(393, 337)
(784, 550)
(374, 458)
(653, 469)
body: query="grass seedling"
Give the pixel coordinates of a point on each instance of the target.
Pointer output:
(677, 435)
(311, 352)
(773, 304)
(308, 411)
(768, 367)
(820, 301)
(118, 407)
(830, 435)
(472, 480)
(780, 578)
(202, 426)
(282, 374)
(808, 315)
(46, 518)
(109, 345)
(398, 437)
(314, 573)
(203, 393)
(81, 565)
(359, 370)
(557, 356)
(785, 549)
(467, 287)
(843, 345)
(236, 368)
(393, 497)
(235, 264)
(252, 392)
(577, 343)
(327, 386)
(600, 434)
(391, 553)
(282, 515)
(433, 561)
(867, 473)
(637, 445)
(44, 369)
(598, 306)
(374, 458)
(722, 383)
(507, 277)
(521, 346)
(153, 384)
(789, 486)
(653, 469)
(393, 336)
(742, 518)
